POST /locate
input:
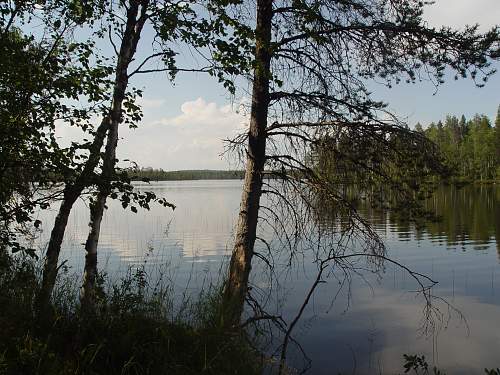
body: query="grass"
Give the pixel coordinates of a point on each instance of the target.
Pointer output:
(133, 330)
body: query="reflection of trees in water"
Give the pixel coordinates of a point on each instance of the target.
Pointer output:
(467, 214)
(463, 215)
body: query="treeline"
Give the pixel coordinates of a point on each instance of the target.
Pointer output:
(471, 148)
(152, 174)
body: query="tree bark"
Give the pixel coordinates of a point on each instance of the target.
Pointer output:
(72, 191)
(128, 48)
(240, 265)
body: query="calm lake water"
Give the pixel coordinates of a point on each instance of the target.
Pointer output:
(361, 328)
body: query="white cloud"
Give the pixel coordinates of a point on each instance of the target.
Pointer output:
(458, 13)
(191, 140)
(146, 103)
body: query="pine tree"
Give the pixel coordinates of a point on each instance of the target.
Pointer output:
(496, 142)
(497, 121)
(310, 62)
(463, 127)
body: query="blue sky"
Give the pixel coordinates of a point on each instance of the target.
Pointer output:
(184, 125)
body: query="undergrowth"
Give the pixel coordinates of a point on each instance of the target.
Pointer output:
(132, 330)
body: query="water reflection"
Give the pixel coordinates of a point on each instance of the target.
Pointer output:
(366, 329)
(469, 215)
(384, 318)
(201, 225)
(464, 216)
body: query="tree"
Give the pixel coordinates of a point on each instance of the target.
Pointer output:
(496, 144)
(481, 140)
(136, 16)
(171, 22)
(81, 175)
(310, 64)
(497, 120)
(463, 126)
(468, 146)
(40, 78)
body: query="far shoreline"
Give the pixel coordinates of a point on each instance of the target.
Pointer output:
(150, 174)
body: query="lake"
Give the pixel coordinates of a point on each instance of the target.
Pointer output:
(362, 327)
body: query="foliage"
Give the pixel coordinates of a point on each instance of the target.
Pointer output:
(39, 81)
(419, 366)
(470, 147)
(382, 165)
(57, 79)
(390, 170)
(311, 68)
(311, 64)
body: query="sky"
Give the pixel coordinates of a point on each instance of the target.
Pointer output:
(185, 124)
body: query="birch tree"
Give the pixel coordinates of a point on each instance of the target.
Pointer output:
(312, 64)
(124, 23)
(171, 22)
(136, 16)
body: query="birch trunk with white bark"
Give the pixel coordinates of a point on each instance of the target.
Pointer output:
(136, 17)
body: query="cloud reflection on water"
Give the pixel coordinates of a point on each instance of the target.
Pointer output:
(460, 252)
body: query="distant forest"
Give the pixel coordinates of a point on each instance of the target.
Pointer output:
(471, 148)
(203, 174)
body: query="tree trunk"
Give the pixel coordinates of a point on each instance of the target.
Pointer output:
(72, 191)
(128, 48)
(246, 230)
(109, 123)
(90, 270)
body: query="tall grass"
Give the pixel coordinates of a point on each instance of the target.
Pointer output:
(132, 330)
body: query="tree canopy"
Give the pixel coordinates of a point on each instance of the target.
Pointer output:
(470, 147)
(40, 81)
